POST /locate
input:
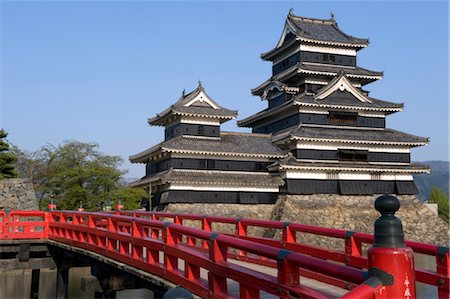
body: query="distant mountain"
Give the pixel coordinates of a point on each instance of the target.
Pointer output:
(438, 177)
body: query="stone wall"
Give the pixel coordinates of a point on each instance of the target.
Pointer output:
(17, 194)
(261, 211)
(354, 213)
(357, 213)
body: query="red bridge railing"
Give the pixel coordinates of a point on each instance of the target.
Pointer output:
(351, 254)
(141, 240)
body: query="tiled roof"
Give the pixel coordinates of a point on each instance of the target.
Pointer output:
(326, 30)
(344, 98)
(213, 177)
(346, 134)
(319, 31)
(196, 109)
(230, 143)
(291, 162)
(317, 69)
(337, 100)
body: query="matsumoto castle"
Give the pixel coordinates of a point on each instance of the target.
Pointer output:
(321, 133)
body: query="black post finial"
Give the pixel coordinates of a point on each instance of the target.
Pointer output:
(183, 94)
(388, 228)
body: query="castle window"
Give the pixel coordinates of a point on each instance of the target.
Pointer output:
(352, 156)
(375, 176)
(343, 118)
(210, 164)
(332, 58)
(325, 57)
(203, 164)
(200, 130)
(260, 166)
(332, 175)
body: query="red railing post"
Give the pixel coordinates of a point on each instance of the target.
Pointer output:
(47, 219)
(137, 251)
(241, 231)
(118, 207)
(352, 247)
(217, 253)
(170, 261)
(389, 258)
(443, 268)
(288, 235)
(288, 272)
(206, 226)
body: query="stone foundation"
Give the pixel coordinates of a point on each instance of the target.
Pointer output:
(17, 194)
(229, 210)
(354, 213)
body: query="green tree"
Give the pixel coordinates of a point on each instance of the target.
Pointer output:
(29, 164)
(440, 197)
(7, 158)
(74, 172)
(130, 197)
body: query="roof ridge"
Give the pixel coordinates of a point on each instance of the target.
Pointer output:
(244, 134)
(313, 20)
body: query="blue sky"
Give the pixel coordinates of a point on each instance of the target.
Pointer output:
(95, 71)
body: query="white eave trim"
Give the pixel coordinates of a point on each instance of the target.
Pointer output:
(204, 186)
(300, 70)
(221, 153)
(352, 169)
(348, 107)
(361, 141)
(349, 45)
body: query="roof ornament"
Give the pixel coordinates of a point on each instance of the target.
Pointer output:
(183, 93)
(332, 16)
(200, 86)
(291, 11)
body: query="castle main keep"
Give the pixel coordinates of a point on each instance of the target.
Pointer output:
(321, 133)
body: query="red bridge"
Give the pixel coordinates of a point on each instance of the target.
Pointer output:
(205, 261)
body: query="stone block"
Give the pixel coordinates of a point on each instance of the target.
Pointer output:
(17, 194)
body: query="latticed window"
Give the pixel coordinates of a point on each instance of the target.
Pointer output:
(353, 156)
(375, 176)
(343, 118)
(332, 175)
(200, 130)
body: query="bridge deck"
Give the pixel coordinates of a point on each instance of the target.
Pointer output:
(329, 290)
(233, 286)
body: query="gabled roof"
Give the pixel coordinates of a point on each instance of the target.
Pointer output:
(341, 83)
(196, 103)
(315, 69)
(277, 85)
(343, 134)
(229, 144)
(317, 31)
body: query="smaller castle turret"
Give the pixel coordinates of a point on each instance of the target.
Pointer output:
(194, 114)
